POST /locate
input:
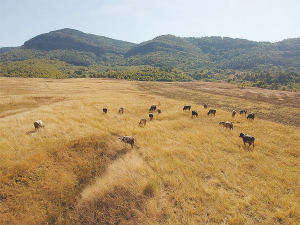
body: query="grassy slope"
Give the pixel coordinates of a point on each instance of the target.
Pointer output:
(181, 170)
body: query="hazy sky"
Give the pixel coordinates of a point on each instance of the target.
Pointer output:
(142, 20)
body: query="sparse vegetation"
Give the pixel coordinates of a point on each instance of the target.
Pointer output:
(180, 171)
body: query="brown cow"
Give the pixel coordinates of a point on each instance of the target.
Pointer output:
(247, 139)
(143, 121)
(127, 140)
(121, 110)
(227, 124)
(233, 113)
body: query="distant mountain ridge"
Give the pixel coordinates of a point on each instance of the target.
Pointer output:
(69, 39)
(185, 53)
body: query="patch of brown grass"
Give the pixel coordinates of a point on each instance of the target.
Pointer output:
(180, 171)
(277, 106)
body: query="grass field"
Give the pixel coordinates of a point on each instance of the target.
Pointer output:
(181, 170)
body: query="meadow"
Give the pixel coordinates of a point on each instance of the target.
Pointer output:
(181, 170)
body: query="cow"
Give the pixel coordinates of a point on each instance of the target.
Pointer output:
(151, 116)
(205, 106)
(105, 110)
(243, 111)
(127, 140)
(250, 116)
(233, 113)
(159, 111)
(247, 139)
(38, 124)
(227, 124)
(194, 113)
(143, 121)
(212, 111)
(152, 108)
(121, 110)
(187, 107)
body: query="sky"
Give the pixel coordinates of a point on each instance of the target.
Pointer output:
(142, 20)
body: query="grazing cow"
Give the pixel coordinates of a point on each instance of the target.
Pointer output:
(143, 121)
(105, 110)
(38, 124)
(187, 107)
(233, 113)
(152, 108)
(159, 111)
(151, 116)
(212, 111)
(127, 140)
(243, 111)
(247, 139)
(121, 110)
(205, 106)
(250, 116)
(194, 113)
(227, 124)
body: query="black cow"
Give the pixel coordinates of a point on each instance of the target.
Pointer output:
(250, 116)
(247, 139)
(205, 106)
(151, 116)
(243, 111)
(105, 110)
(152, 108)
(187, 107)
(212, 111)
(194, 113)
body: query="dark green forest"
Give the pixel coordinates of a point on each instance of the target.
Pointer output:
(70, 53)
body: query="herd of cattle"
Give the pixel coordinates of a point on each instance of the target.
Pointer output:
(130, 140)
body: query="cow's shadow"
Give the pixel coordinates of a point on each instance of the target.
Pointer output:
(248, 148)
(31, 132)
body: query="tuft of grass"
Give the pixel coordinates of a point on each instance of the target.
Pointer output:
(150, 189)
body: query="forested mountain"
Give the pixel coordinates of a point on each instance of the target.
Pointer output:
(221, 53)
(210, 58)
(6, 49)
(69, 39)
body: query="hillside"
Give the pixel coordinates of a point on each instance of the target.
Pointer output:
(181, 170)
(71, 46)
(70, 39)
(214, 59)
(6, 49)
(166, 50)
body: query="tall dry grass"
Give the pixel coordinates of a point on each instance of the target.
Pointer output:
(180, 171)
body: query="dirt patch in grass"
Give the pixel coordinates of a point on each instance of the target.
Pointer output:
(275, 97)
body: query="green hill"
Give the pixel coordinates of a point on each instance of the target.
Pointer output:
(69, 39)
(208, 58)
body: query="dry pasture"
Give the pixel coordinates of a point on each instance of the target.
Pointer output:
(180, 171)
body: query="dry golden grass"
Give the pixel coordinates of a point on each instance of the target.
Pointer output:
(180, 171)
